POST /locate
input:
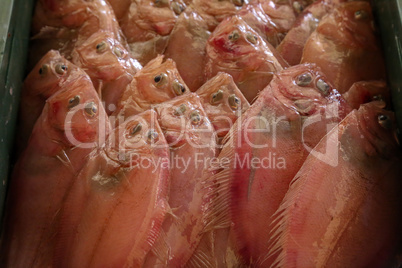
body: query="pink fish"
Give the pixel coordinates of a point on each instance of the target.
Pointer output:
(343, 206)
(346, 47)
(147, 26)
(238, 50)
(72, 123)
(223, 102)
(367, 91)
(186, 47)
(109, 65)
(265, 150)
(157, 82)
(115, 209)
(192, 141)
(51, 74)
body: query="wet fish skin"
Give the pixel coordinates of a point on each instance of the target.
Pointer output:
(235, 48)
(347, 199)
(350, 45)
(223, 102)
(114, 211)
(72, 123)
(192, 139)
(157, 82)
(366, 91)
(290, 116)
(192, 31)
(50, 75)
(109, 65)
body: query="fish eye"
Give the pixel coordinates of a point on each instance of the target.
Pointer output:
(377, 98)
(234, 102)
(252, 38)
(323, 86)
(61, 69)
(234, 36)
(180, 110)
(152, 136)
(238, 3)
(101, 47)
(160, 79)
(161, 3)
(117, 52)
(361, 15)
(385, 121)
(44, 69)
(216, 97)
(178, 88)
(177, 8)
(91, 109)
(136, 129)
(297, 7)
(195, 117)
(74, 101)
(304, 79)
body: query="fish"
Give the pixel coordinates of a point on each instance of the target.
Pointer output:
(366, 91)
(346, 46)
(72, 123)
(343, 206)
(192, 31)
(116, 207)
(192, 143)
(51, 74)
(157, 82)
(264, 150)
(255, 16)
(215, 11)
(108, 64)
(235, 48)
(223, 102)
(147, 26)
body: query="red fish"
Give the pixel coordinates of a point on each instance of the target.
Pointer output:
(52, 74)
(192, 141)
(346, 47)
(367, 91)
(343, 206)
(115, 209)
(223, 102)
(265, 150)
(109, 65)
(238, 50)
(72, 123)
(157, 82)
(186, 47)
(147, 26)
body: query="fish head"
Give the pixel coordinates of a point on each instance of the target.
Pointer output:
(159, 81)
(50, 73)
(184, 121)
(233, 39)
(138, 136)
(103, 57)
(223, 102)
(305, 89)
(76, 115)
(351, 24)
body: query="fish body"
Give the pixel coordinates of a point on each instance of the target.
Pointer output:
(157, 82)
(186, 47)
(265, 149)
(343, 206)
(192, 143)
(109, 65)
(72, 123)
(223, 102)
(51, 74)
(235, 48)
(114, 210)
(346, 47)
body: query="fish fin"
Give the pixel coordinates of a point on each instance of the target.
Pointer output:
(161, 248)
(203, 255)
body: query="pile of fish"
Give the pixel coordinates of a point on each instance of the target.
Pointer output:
(204, 133)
